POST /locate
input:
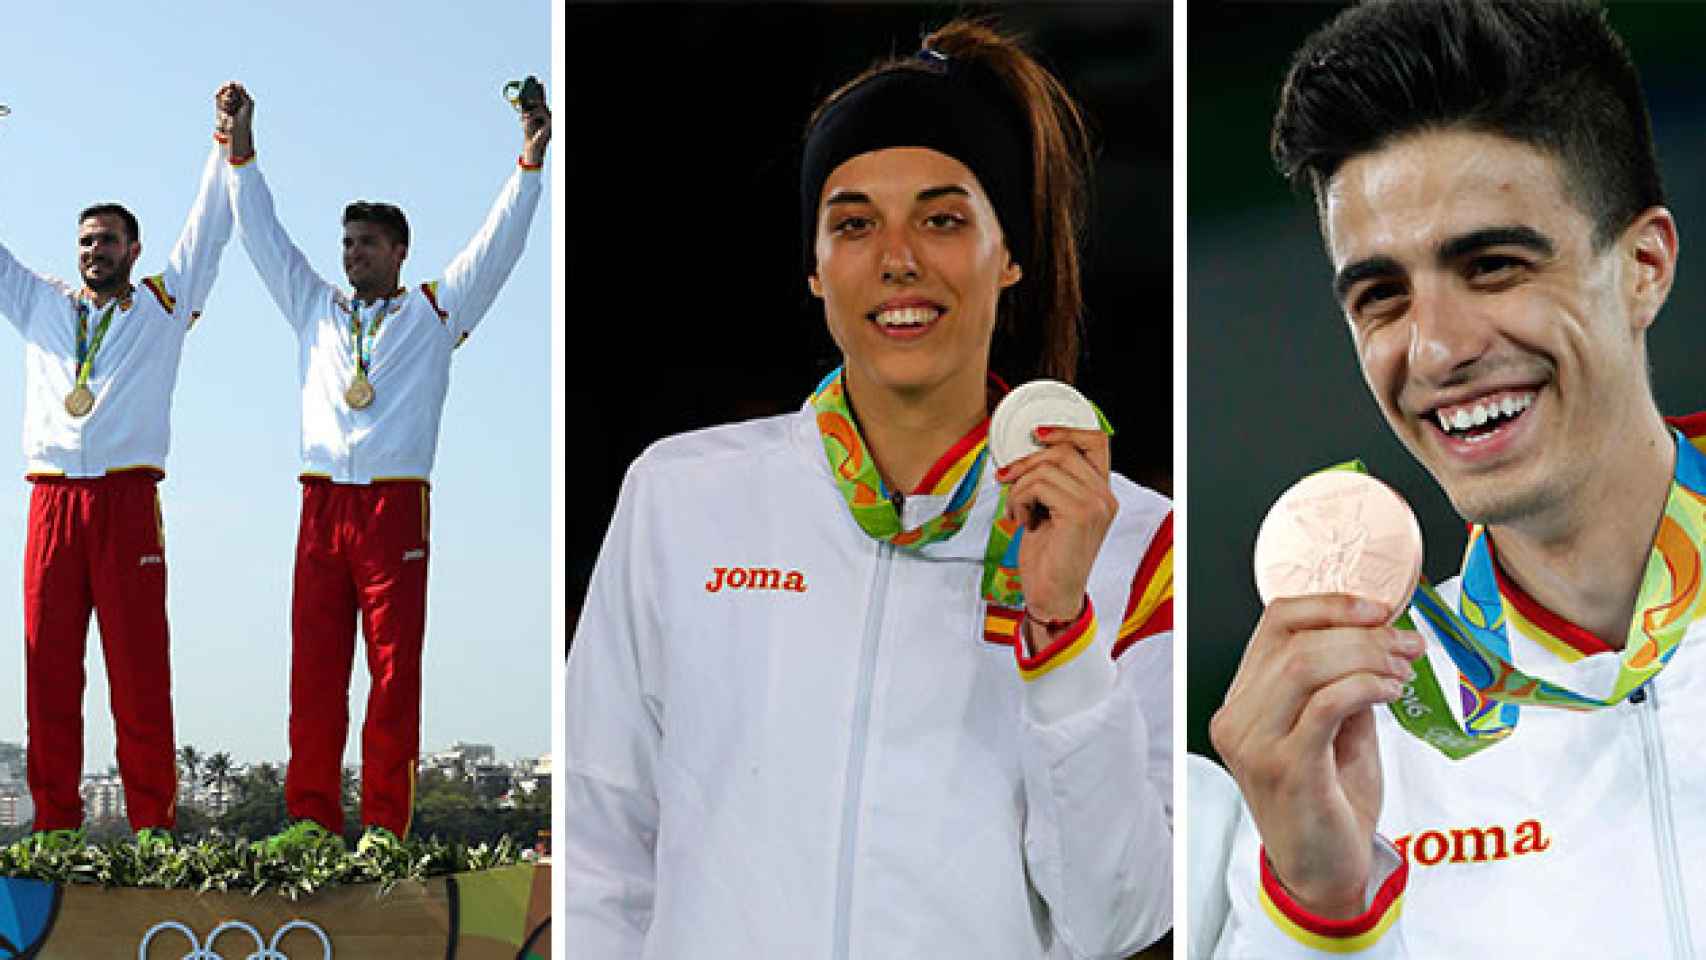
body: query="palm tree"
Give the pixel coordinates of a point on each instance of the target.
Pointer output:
(190, 759)
(219, 770)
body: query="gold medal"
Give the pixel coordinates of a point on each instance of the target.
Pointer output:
(80, 401)
(359, 394)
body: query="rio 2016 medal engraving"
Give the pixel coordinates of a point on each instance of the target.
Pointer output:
(1339, 531)
(1040, 403)
(360, 393)
(79, 401)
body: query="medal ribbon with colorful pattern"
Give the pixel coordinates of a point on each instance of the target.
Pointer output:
(1475, 633)
(87, 347)
(363, 343)
(868, 497)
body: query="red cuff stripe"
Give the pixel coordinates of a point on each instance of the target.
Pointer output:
(1066, 646)
(1337, 936)
(521, 161)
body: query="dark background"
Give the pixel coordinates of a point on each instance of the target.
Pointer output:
(1274, 388)
(687, 303)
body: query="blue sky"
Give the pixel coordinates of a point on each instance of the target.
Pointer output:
(372, 100)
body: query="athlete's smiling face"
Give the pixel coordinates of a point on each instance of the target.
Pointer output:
(105, 252)
(1504, 350)
(911, 263)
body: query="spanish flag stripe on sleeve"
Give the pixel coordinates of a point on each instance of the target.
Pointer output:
(1334, 936)
(1000, 624)
(431, 291)
(157, 286)
(1150, 609)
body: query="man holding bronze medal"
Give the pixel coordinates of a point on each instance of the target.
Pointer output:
(374, 366)
(1487, 190)
(100, 363)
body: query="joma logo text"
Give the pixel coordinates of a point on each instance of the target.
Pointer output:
(755, 578)
(1473, 844)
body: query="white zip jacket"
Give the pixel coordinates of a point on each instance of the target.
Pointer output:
(396, 437)
(1582, 835)
(786, 739)
(134, 371)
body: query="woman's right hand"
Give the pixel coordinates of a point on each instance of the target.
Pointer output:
(1297, 733)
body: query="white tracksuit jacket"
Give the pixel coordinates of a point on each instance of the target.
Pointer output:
(395, 438)
(136, 368)
(1583, 835)
(831, 760)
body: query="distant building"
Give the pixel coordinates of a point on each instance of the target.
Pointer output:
(103, 797)
(460, 760)
(16, 809)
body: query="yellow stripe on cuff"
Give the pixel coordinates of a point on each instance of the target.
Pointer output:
(1315, 941)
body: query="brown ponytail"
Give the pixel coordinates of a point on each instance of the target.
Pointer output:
(1040, 315)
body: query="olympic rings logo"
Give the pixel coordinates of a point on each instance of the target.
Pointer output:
(267, 951)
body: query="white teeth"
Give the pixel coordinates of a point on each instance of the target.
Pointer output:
(1480, 414)
(907, 316)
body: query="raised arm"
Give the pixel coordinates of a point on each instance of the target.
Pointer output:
(472, 280)
(194, 262)
(294, 285)
(22, 290)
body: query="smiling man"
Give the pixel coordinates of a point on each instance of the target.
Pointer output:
(374, 364)
(1487, 191)
(100, 363)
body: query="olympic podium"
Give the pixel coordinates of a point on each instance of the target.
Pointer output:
(498, 914)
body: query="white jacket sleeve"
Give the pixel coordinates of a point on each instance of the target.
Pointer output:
(1097, 754)
(614, 728)
(294, 285)
(472, 280)
(23, 292)
(194, 261)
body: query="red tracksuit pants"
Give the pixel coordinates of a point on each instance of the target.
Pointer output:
(98, 543)
(359, 549)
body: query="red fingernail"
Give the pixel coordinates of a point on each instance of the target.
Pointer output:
(1044, 431)
(1001, 473)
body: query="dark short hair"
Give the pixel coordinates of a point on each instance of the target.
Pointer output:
(386, 215)
(1545, 73)
(115, 210)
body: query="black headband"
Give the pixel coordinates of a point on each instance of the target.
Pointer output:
(949, 106)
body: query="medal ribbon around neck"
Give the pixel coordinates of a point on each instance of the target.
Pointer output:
(869, 500)
(1474, 633)
(362, 343)
(87, 347)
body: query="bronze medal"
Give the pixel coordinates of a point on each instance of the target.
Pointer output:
(360, 393)
(79, 401)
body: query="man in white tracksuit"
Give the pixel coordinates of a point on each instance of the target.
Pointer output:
(1492, 210)
(100, 363)
(374, 365)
